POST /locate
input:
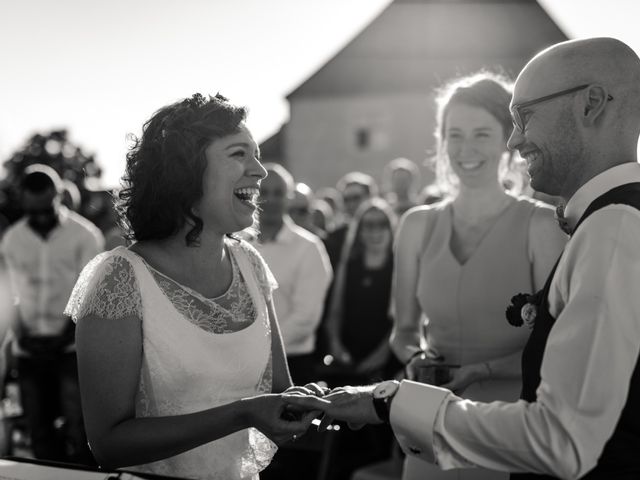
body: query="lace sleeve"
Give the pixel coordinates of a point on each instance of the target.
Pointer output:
(266, 281)
(107, 288)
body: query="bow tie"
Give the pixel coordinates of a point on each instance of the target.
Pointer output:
(563, 223)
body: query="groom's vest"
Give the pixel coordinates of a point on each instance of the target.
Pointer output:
(620, 458)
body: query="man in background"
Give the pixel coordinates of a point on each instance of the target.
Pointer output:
(45, 251)
(355, 188)
(301, 267)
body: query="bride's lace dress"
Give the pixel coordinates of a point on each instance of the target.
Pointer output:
(198, 353)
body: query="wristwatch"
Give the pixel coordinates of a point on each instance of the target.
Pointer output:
(382, 396)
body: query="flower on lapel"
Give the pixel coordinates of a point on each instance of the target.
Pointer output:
(523, 309)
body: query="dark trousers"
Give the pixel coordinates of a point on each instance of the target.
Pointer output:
(303, 368)
(49, 390)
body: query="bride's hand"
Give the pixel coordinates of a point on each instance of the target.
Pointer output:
(309, 389)
(268, 413)
(292, 412)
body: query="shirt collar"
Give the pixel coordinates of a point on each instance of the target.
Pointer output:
(63, 214)
(597, 186)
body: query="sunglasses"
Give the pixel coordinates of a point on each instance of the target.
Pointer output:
(517, 108)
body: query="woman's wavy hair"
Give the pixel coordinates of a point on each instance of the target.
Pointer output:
(491, 92)
(165, 167)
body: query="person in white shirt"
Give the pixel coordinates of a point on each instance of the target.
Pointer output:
(300, 264)
(576, 112)
(45, 252)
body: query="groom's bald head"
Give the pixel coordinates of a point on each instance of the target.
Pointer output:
(577, 135)
(604, 61)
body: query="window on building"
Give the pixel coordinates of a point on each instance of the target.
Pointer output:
(363, 138)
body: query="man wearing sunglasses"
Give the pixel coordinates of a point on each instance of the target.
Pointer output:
(45, 252)
(576, 115)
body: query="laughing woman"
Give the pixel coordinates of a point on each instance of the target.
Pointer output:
(178, 345)
(459, 262)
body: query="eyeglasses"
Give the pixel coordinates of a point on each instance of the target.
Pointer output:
(516, 109)
(371, 225)
(352, 198)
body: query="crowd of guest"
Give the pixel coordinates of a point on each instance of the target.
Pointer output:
(350, 308)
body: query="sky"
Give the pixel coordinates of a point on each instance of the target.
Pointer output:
(100, 69)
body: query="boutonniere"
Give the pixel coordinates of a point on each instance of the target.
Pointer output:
(524, 309)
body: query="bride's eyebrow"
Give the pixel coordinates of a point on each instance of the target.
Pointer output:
(238, 144)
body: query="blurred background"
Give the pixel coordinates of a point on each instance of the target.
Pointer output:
(87, 73)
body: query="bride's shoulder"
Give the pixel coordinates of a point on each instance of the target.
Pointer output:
(266, 279)
(105, 283)
(105, 263)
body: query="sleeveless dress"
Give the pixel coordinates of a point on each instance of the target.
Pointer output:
(464, 305)
(196, 353)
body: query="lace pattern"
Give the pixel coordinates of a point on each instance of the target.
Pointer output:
(230, 312)
(266, 381)
(266, 280)
(106, 288)
(262, 451)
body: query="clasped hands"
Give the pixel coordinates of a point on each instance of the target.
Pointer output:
(353, 405)
(286, 416)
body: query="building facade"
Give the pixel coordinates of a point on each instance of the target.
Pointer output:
(374, 100)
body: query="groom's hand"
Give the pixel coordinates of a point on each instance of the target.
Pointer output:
(295, 413)
(349, 404)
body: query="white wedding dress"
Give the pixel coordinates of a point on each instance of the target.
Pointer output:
(198, 353)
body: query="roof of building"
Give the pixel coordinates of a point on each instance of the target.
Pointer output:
(414, 45)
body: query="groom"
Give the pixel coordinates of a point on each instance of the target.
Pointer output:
(576, 115)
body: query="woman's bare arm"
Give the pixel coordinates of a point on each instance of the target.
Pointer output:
(109, 360)
(405, 336)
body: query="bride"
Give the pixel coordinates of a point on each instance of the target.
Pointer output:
(179, 350)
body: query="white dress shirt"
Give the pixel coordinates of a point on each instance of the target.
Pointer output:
(590, 356)
(301, 266)
(44, 271)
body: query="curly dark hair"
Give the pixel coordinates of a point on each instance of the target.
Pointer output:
(165, 167)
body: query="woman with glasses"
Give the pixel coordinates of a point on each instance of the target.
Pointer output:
(359, 322)
(458, 262)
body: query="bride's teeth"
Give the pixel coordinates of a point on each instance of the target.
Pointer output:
(246, 194)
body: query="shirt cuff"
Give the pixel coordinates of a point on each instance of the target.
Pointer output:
(413, 414)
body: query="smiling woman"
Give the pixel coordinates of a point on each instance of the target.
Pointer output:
(178, 346)
(445, 254)
(166, 166)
